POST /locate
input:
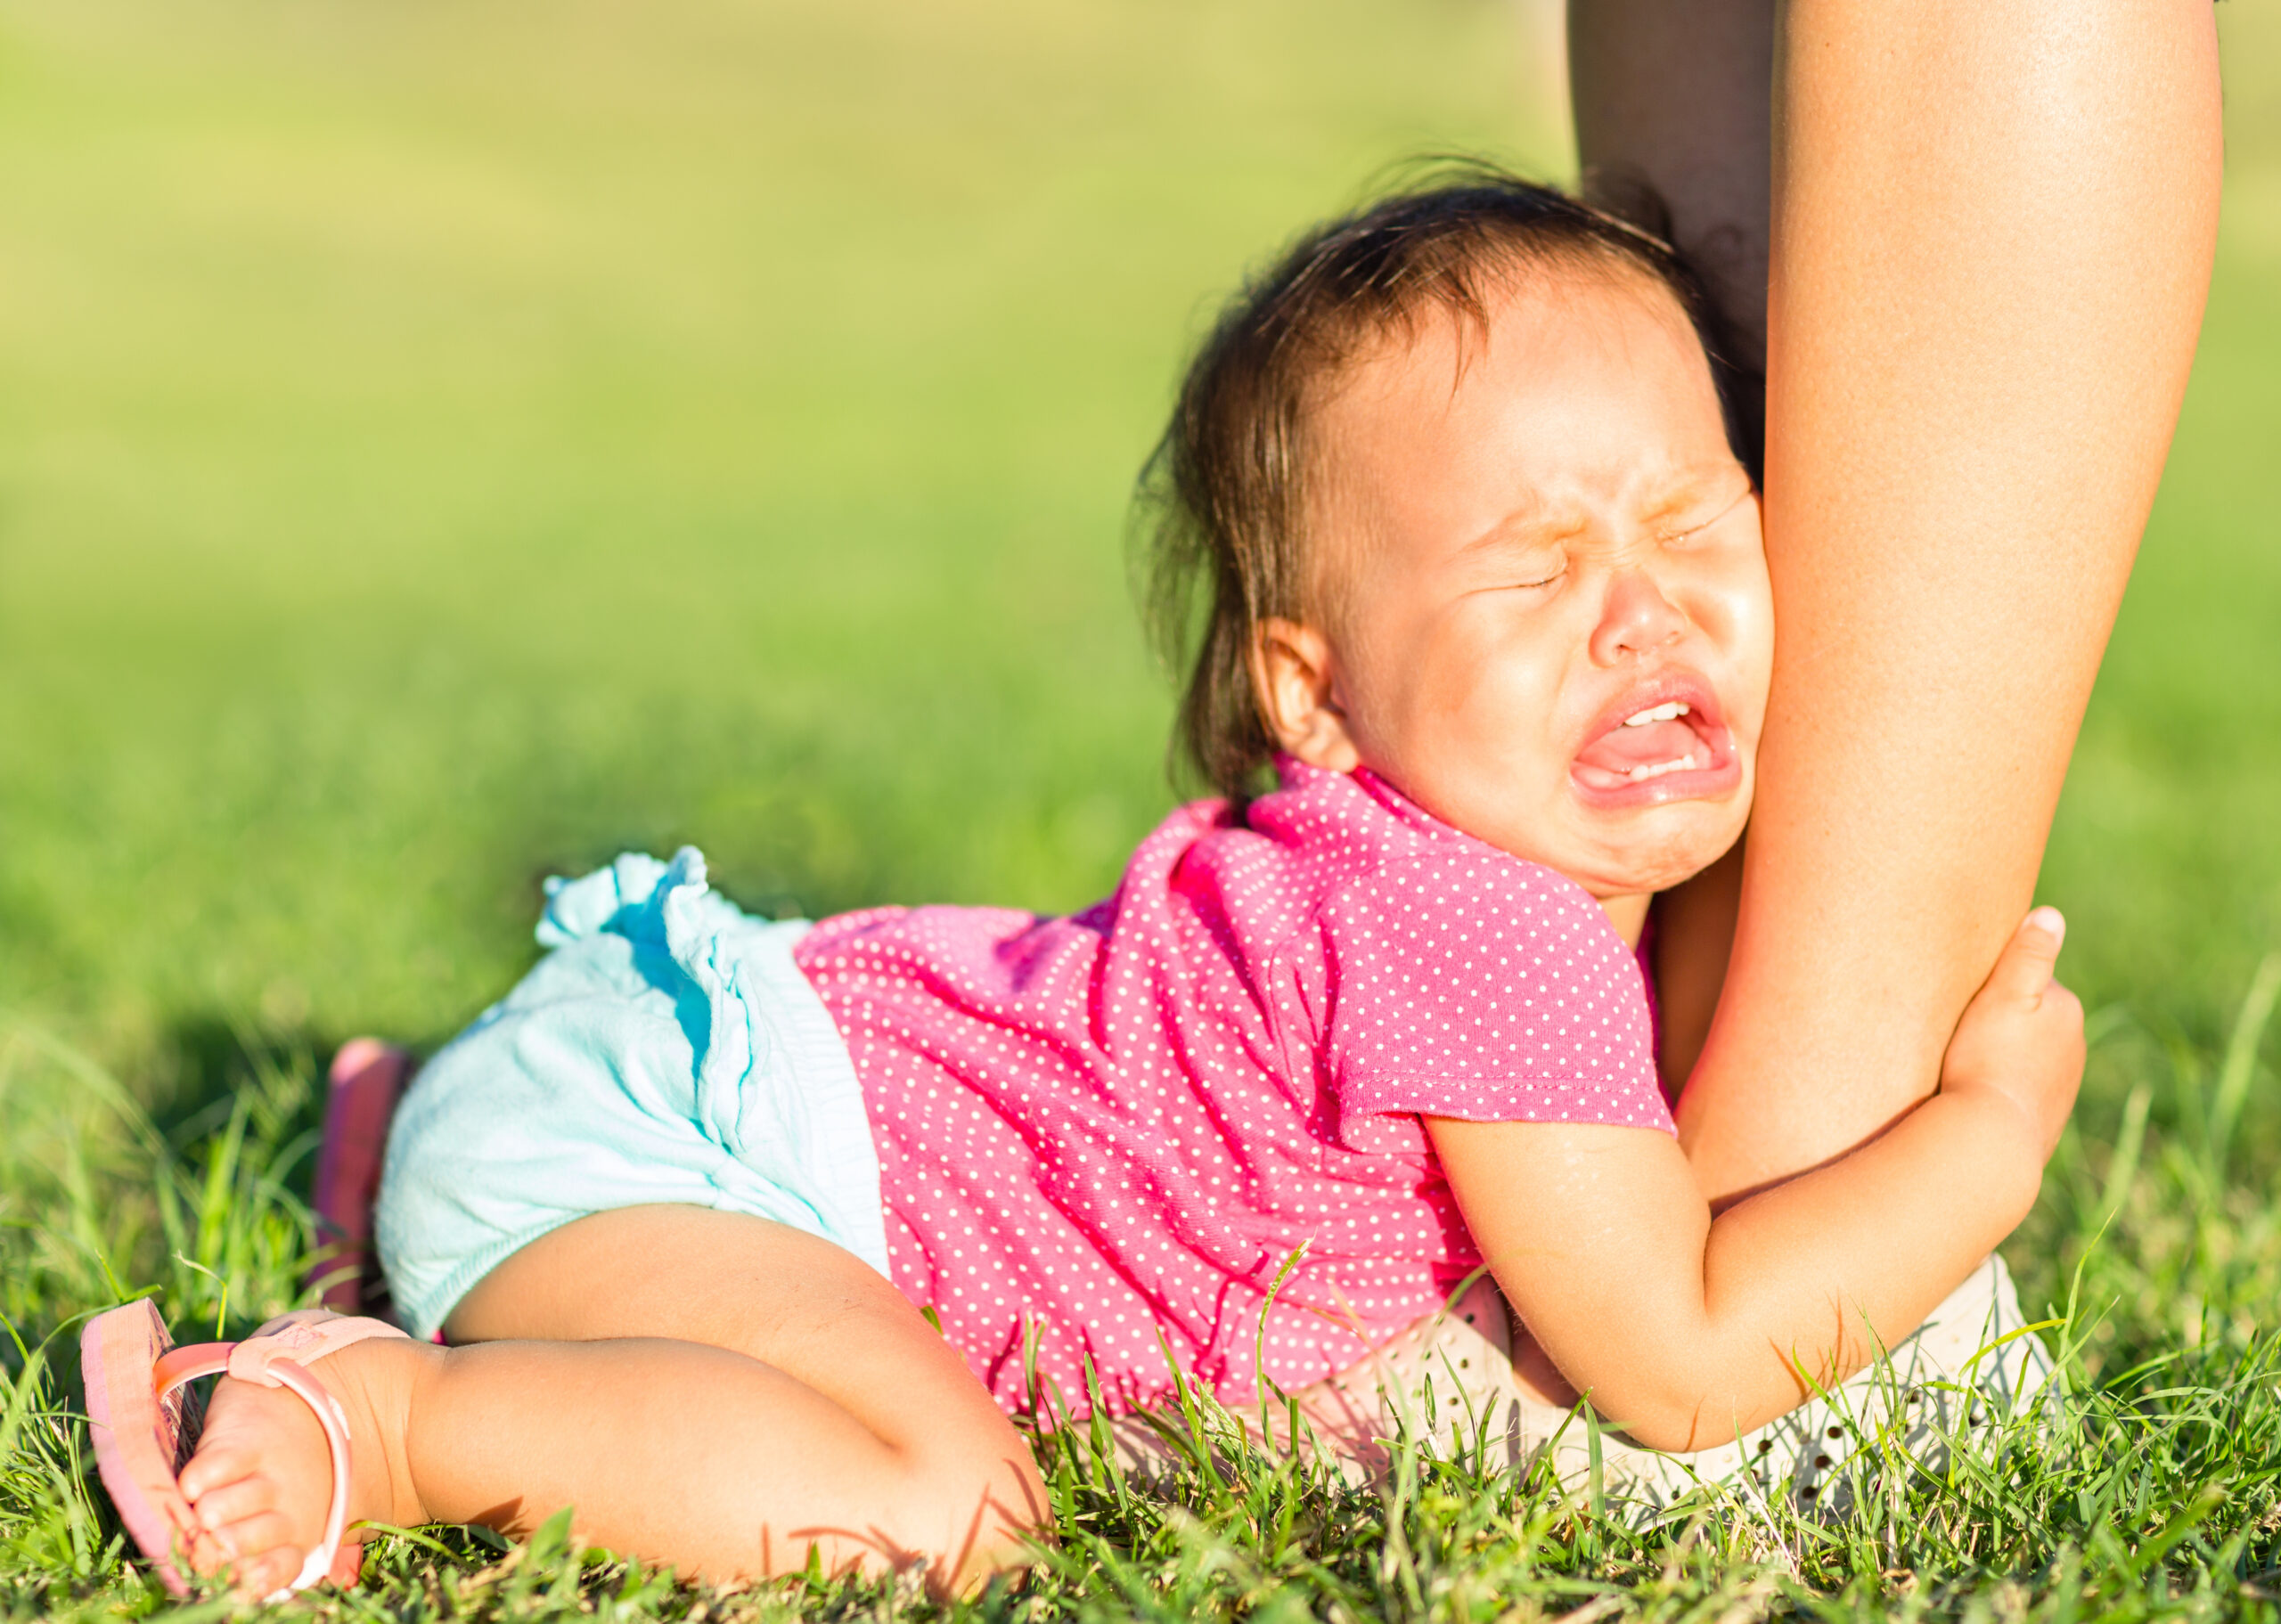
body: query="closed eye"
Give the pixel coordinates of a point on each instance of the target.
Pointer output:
(1530, 571)
(1688, 532)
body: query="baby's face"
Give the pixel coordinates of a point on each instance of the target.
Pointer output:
(1549, 620)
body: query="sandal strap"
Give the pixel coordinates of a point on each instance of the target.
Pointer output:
(277, 1355)
(303, 1338)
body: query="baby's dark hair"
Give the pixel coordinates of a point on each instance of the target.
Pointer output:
(1222, 516)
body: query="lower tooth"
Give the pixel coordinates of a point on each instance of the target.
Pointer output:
(1656, 770)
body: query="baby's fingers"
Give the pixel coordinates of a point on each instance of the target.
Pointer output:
(2023, 969)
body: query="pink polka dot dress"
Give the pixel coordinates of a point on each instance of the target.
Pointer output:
(1107, 1135)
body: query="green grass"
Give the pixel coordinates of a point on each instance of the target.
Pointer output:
(2153, 1491)
(442, 444)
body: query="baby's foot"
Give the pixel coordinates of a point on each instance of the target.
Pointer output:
(260, 1483)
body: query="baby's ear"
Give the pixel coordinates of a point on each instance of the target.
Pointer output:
(1291, 676)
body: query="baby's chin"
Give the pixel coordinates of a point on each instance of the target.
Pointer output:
(1657, 853)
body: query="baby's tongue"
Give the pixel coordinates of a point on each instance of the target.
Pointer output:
(1620, 749)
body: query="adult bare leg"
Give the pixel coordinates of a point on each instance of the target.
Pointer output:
(1992, 226)
(704, 1389)
(1676, 93)
(1677, 96)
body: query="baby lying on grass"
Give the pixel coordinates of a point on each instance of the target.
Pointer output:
(1483, 668)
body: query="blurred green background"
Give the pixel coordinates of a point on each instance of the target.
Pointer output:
(444, 443)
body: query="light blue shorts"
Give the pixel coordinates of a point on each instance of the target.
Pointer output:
(666, 1050)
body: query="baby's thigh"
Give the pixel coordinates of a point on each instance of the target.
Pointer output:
(806, 1307)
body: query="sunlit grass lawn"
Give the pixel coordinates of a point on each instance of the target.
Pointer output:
(441, 445)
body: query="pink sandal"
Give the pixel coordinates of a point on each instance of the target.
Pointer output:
(367, 1078)
(135, 1376)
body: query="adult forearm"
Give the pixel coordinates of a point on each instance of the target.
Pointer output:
(1992, 223)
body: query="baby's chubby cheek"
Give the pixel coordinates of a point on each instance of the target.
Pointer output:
(1498, 780)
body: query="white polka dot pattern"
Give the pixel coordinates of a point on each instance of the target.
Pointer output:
(1103, 1136)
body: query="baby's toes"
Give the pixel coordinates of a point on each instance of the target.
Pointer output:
(233, 1501)
(203, 1551)
(215, 1466)
(262, 1557)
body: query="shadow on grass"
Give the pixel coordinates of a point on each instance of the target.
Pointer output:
(209, 1062)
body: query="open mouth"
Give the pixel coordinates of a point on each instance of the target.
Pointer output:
(1664, 741)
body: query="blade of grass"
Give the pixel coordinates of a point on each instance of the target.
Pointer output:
(2240, 1064)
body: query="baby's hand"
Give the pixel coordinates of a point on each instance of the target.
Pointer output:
(2021, 1036)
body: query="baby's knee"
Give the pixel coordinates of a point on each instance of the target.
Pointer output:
(972, 1506)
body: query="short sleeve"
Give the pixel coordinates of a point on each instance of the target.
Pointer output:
(1474, 984)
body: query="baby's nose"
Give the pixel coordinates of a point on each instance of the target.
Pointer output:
(1635, 618)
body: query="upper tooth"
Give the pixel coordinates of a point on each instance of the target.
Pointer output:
(1669, 710)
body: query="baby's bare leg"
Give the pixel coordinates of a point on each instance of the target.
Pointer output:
(803, 1400)
(706, 1389)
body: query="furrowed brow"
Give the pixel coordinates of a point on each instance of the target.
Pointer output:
(1532, 524)
(1703, 495)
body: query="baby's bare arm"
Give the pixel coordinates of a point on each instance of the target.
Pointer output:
(1687, 1330)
